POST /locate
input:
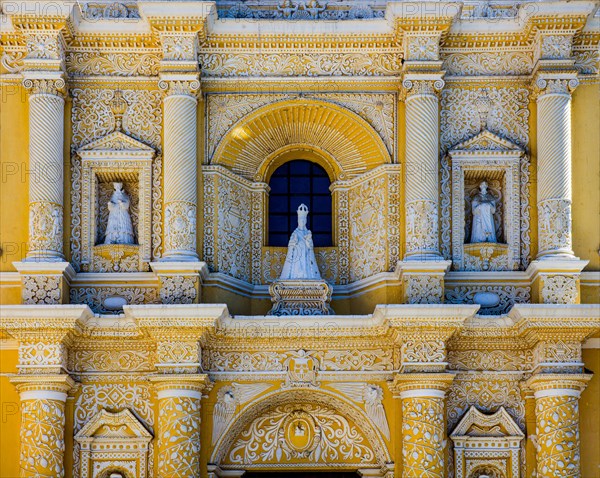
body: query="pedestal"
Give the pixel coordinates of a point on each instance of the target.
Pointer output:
(180, 282)
(300, 297)
(45, 283)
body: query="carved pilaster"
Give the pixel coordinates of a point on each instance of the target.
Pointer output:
(180, 282)
(43, 399)
(179, 405)
(423, 281)
(557, 422)
(556, 281)
(423, 422)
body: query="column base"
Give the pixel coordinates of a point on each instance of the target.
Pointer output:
(556, 281)
(45, 282)
(180, 282)
(423, 279)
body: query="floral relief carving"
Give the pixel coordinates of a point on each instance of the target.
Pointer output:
(508, 295)
(423, 48)
(179, 440)
(587, 61)
(325, 437)
(556, 47)
(423, 289)
(488, 63)
(95, 296)
(179, 47)
(41, 289)
(112, 360)
(497, 360)
(367, 228)
(12, 61)
(117, 64)
(92, 119)
(299, 64)
(559, 290)
(45, 226)
(422, 227)
(180, 226)
(178, 289)
(554, 224)
(45, 46)
(423, 351)
(37, 356)
(44, 419)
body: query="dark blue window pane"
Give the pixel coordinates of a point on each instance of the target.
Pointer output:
(292, 184)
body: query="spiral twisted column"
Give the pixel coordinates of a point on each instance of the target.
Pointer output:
(423, 423)
(554, 167)
(179, 404)
(43, 401)
(557, 423)
(422, 178)
(180, 170)
(46, 139)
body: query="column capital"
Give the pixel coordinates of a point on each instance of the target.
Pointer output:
(180, 85)
(558, 384)
(43, 387)
(54, 85)
(553, 83)
(181, 385)
(411, 385)
(417, 83)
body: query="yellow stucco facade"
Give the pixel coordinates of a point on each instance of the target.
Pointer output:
(445, 357)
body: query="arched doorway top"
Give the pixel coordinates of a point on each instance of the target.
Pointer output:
(300, 402)
(330, 132)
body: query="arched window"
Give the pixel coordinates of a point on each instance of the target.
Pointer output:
(292, 184)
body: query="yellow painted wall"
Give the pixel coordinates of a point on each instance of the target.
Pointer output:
(14, 166)
(586, 173)
(10, 417)
(589, 407)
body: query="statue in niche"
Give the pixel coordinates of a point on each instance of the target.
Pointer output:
(483, 207)
(119, 229)
(300, 262)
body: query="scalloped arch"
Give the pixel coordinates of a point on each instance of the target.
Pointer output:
(341, 134)
(265, 403)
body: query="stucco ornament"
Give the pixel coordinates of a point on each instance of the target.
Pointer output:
(300, 262)
(119, 229)
(483, 207)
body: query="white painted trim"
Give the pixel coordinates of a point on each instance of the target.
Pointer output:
(43, 395)
(7, 344)
(179, 393)
(557, 392)
(423, 393)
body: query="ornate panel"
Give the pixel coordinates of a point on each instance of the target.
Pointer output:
(95, 297)
(301, 433)
(117, 64)
(92, 119)
(488, 63)
(220, 64)
(508, 295)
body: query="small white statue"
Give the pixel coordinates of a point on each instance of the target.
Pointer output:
(119, 229)
(483, 207)
(300, 262)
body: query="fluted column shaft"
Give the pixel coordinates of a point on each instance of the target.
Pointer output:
(554, 168)
(179, 404)
(180, 172)
(43, 401)
(421, 179)
(46, 140)
(557, 423)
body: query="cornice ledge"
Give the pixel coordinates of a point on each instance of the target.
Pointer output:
(556, 321)
(176, 319)
(51, 322)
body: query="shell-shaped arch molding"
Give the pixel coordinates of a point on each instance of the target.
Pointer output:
(281, 407)
(342, 138)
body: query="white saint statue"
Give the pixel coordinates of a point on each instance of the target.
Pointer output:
(483, 207)
(300, 262)
(119, 229)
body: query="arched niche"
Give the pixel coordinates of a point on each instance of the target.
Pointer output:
(292, 417)
(330, 133)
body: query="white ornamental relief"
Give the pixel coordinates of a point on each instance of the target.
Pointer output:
(423, 351)
(423, 289)
(115, 64)
(300, 64)
(367, 229)
(508, 295)
(180, 226)
(314, 433)
(229, 399)
(556, 47)
(92, 119)
(45, 227)
(36, 354)
(496, 360)
(112, 360)
(554, 224)
(371, 396)
(95, 297)
(587, 61)
(423, 48)
(40, 289)
(45, 46)
(12, 61)
(488, 63)
(508, 115)
(559, 290)
(178, 289)
(179, 47)
(422, 226)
